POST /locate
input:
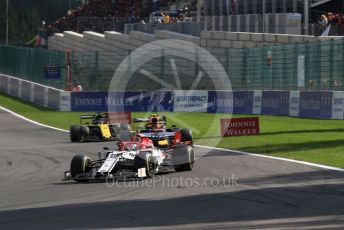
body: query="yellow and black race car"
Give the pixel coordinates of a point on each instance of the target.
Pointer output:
(98, 128)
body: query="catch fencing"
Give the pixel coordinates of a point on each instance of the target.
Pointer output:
(28, 64)
(306, 67)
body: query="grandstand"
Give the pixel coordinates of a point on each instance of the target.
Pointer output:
(101, 15)
(105, 15)
(97, 49)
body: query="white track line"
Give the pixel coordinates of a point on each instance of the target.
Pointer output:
(31, 121)
(274, 158)
(199, 146)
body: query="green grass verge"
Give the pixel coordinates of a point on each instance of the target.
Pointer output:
(312, 140)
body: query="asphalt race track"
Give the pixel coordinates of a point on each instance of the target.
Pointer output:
(268, 194)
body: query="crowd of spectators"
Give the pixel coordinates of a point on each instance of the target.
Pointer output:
(100, 15)
(107, 15)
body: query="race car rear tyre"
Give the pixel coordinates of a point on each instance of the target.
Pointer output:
(183, 158)
(84, 132)
(186, 135)
(145, 160)
(74, 133)
(80, 164)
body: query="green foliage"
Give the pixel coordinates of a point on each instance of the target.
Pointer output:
(26, 16)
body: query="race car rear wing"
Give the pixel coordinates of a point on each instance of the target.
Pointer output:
(83, 117)
(139, 120)
(92, 117)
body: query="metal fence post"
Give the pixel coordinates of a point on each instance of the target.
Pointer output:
(244, 78)
(285, 85)
(73, 70)
(318, 63)
(129, 64)
(263, 60)
(196, 62)
(96, 70)
(162, 67)
(307, 60)
(342, 70)
(270, 69)
(331, 59)
(227, 68)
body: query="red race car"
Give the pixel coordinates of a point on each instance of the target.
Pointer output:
(156, 129)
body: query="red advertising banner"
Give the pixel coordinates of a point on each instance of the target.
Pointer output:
(123, 117)
(239, 126)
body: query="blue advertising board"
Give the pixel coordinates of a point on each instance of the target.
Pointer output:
(158, 101)
(92, 101)
(312, 104)
(275, 102)
(52, 72)
(152, 101)
(243, 102)
(237, 102)
(316, 104)
(220, 102)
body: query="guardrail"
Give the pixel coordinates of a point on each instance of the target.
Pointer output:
(48, 97)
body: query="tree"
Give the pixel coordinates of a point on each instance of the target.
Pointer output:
(26, 16)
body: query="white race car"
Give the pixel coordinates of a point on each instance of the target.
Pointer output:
(132, 159)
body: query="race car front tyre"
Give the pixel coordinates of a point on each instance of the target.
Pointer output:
(84, 132)
(186, 135)
(183, 158)
(80, 164)
(74, 133)
(145, 160)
